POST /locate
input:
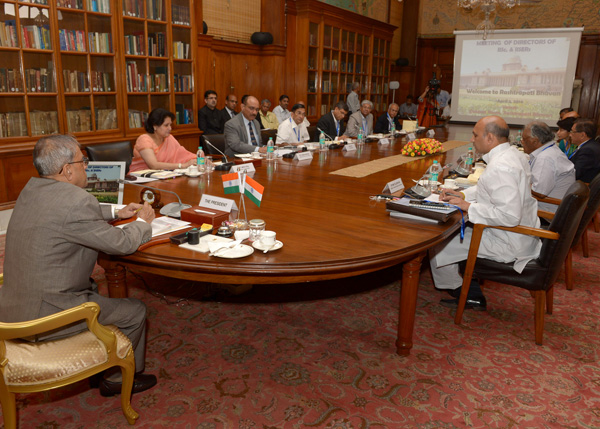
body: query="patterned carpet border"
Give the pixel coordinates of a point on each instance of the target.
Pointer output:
(372, 167)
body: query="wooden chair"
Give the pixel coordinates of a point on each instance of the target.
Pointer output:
(539, 275)
(581, 235)
(39, 366)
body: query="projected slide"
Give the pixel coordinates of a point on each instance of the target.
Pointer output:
(518, 75)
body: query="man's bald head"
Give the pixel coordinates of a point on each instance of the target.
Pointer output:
(489, 132)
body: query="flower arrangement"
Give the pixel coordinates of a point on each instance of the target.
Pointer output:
(422, 147)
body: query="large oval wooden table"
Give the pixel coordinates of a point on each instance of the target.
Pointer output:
(329, 227)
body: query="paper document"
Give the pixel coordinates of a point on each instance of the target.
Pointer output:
(163, 225)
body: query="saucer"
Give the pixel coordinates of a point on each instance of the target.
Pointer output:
(258, 245)
(452, 188)
(193, 174)
(239, 251)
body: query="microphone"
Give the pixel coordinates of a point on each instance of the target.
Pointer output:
(225, 163)
(171, 209)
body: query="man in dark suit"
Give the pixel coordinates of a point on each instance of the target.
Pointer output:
(332, 124)
(587, 156)
(209, 117)
(228, 112)
(52, 243)
(384, 122)
(242, 133)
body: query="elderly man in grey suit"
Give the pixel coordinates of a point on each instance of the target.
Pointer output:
(242, 133)
(363, 119)
(52, 243)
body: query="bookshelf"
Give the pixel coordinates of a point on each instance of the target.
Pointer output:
(94, 68)
(340, 52)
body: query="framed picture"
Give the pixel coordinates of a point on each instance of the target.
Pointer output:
(103, 181)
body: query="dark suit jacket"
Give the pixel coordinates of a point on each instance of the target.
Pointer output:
(327, 124)
(383, 125)
(210, 121)
(52, 243)
(224, 115)
(236, 136)
(587, 161)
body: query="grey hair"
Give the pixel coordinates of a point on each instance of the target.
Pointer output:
(496, 130)
(266, 100)
(393, 104)
(51, 153)
(367, 102)
(541, 131)
(355, 85)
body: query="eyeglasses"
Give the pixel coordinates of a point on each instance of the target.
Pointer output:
(85, 161)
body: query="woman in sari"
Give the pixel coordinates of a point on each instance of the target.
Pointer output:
(157, 149)
(562, 136)
(428, 110)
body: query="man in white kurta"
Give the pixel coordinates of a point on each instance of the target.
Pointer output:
(502, 196)
(293, 130)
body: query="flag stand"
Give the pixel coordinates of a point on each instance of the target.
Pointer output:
(242, 200)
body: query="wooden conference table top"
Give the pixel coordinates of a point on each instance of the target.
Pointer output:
(329, 226)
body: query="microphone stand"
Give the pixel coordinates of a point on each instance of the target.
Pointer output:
(171, 209)
(225, 163)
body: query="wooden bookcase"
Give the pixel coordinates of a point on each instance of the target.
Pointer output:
(340, 52)
(94, 68)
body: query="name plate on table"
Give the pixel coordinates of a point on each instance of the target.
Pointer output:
(349, 147)
(384, 141)
(243, 168)
(410, 137)
(303, 156)
(217, 203)
(393, 186)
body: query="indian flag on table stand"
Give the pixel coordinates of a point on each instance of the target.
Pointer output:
(253, 190)
(231, 183)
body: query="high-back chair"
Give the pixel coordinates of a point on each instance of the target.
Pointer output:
(539, 275)
(39, 366)
(119, 151)
(589, 213)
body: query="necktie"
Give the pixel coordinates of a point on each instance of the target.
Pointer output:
(232, 113)
(252, 136)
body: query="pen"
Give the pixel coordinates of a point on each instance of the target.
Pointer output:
(203, 211)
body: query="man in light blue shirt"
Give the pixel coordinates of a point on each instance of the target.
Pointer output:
(442, 97)
(408, 109)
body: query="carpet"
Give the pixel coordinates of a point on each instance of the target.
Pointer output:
(372, 167)
(322, 355)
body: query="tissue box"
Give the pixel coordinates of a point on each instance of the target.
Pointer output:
(204, 215)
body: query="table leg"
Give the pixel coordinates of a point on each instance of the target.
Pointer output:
(115, 279)
(408, 304)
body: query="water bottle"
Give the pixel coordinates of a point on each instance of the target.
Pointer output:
(322, 147)
(270, 149)
(360, 136)
(393, 128)
(519, 138)
(469, 160)
(200, 160)
(434, 175)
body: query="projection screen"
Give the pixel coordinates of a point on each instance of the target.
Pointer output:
(520, 75)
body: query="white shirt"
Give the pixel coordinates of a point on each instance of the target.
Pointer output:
(281, 114)
(290, 132)
(353, 102)
(502, 196)
(552, 173)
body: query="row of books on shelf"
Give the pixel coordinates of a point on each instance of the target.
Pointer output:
(106, 119)
(10, 80)
(43, 122)
(183, 115)
(71, 40)
(180, 15)
(101, 81)
(71, 4)
(36, 36)
(79, 120)
(328, 86)
(183, 83)
(156, 44)
(76, 81)
(155, 9)
(40, 79)
(133, 8)
(138, 82)
(137, 118)
(181, 50)
(100, 42)
(102, 6)
(8, 34)
(13, 124)
(159, 82)
(134, 44)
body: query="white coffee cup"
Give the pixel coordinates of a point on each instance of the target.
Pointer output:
(256, 154)
(267, 238)
(449, 183)
(193, 169)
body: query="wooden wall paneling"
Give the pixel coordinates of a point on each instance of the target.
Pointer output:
(17, 170)
(406, 78)
(588, 69)
(434, 55)
(296, 53)
(205, 68)
(272, 19)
